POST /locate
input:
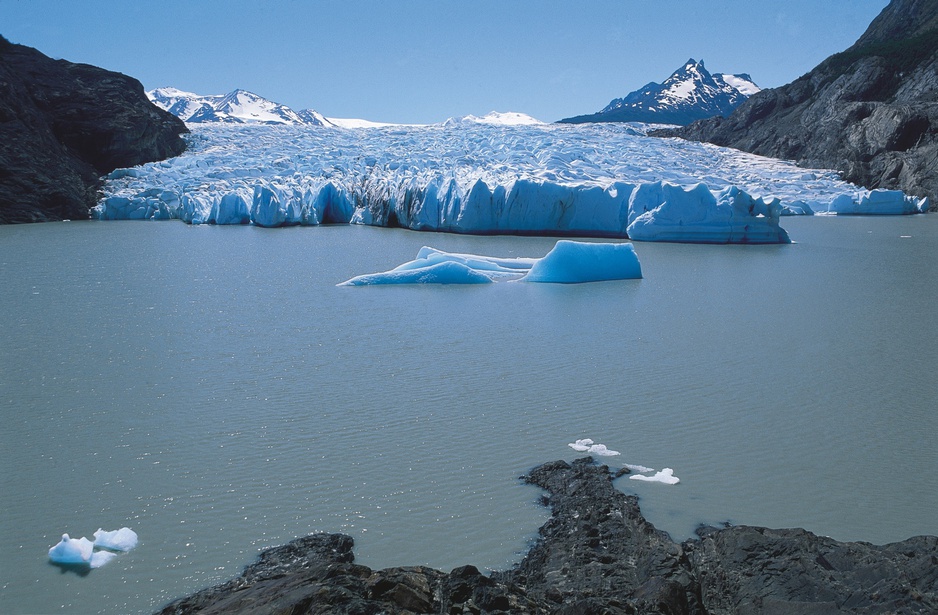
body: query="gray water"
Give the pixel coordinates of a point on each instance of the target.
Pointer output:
(212, 389)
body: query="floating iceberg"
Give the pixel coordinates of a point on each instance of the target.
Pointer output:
(72, 551)
(440, 273)
(601, 180)
(586, 445)
(876, 203)
(665, 476)
(83, 552)
(569, 262)
(638, 468)
(123, 539)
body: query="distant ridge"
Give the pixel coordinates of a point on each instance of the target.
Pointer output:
(235, 107)
(691, 93)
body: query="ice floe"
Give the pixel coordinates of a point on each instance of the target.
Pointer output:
(569, 262)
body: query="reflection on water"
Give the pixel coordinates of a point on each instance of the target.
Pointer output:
(212, 389)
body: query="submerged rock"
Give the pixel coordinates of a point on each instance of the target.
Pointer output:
(64, 125)
(597, 554)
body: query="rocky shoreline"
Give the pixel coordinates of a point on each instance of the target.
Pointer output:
(597, 554)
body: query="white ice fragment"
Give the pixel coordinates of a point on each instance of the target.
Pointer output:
(586, 445)
(581, 446)
(665, 476)
(602, 451)
(638, 468)
(72, 551)
(123, 539)
(100, 558)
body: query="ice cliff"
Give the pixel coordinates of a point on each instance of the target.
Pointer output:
(469, 177)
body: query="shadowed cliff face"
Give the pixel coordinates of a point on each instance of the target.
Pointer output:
(597, 555)
(870, 111)
(63, 125)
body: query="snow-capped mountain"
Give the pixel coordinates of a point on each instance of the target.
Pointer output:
(690, 93)
(496, 118)
(236, 107)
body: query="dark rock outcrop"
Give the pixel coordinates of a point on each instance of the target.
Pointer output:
(870, 112)
(597, 555)
(63, 126)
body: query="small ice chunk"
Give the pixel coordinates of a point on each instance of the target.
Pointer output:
(586, 445)
(601, 450)
(665, 476)
(581, 446)
(72, 551)
(123, 539)
(637, 468)
(100, 558)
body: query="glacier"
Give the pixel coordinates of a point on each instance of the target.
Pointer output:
(597, 180)
(568, 262)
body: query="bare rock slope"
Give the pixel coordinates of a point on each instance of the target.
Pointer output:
(64, 125)
(870, 112)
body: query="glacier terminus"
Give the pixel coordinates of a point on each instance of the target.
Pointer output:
(484, 176)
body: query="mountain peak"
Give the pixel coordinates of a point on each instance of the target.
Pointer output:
(689, 94)
(238, 106)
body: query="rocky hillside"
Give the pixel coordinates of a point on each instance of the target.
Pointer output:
(870, 112)
(597, 554)
(63, 126)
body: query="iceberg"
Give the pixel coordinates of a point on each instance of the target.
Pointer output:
(596, 180)
(586, 445)
(123, 539)
(571, 262)
(72, 551)
(83, 552)
(448, 272)
(877, 203)
(665, 476)
(664, 212)
(568, 262)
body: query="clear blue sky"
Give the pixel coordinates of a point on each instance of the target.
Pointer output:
(427, 60)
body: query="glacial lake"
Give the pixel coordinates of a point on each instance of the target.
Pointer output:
(214, 390)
